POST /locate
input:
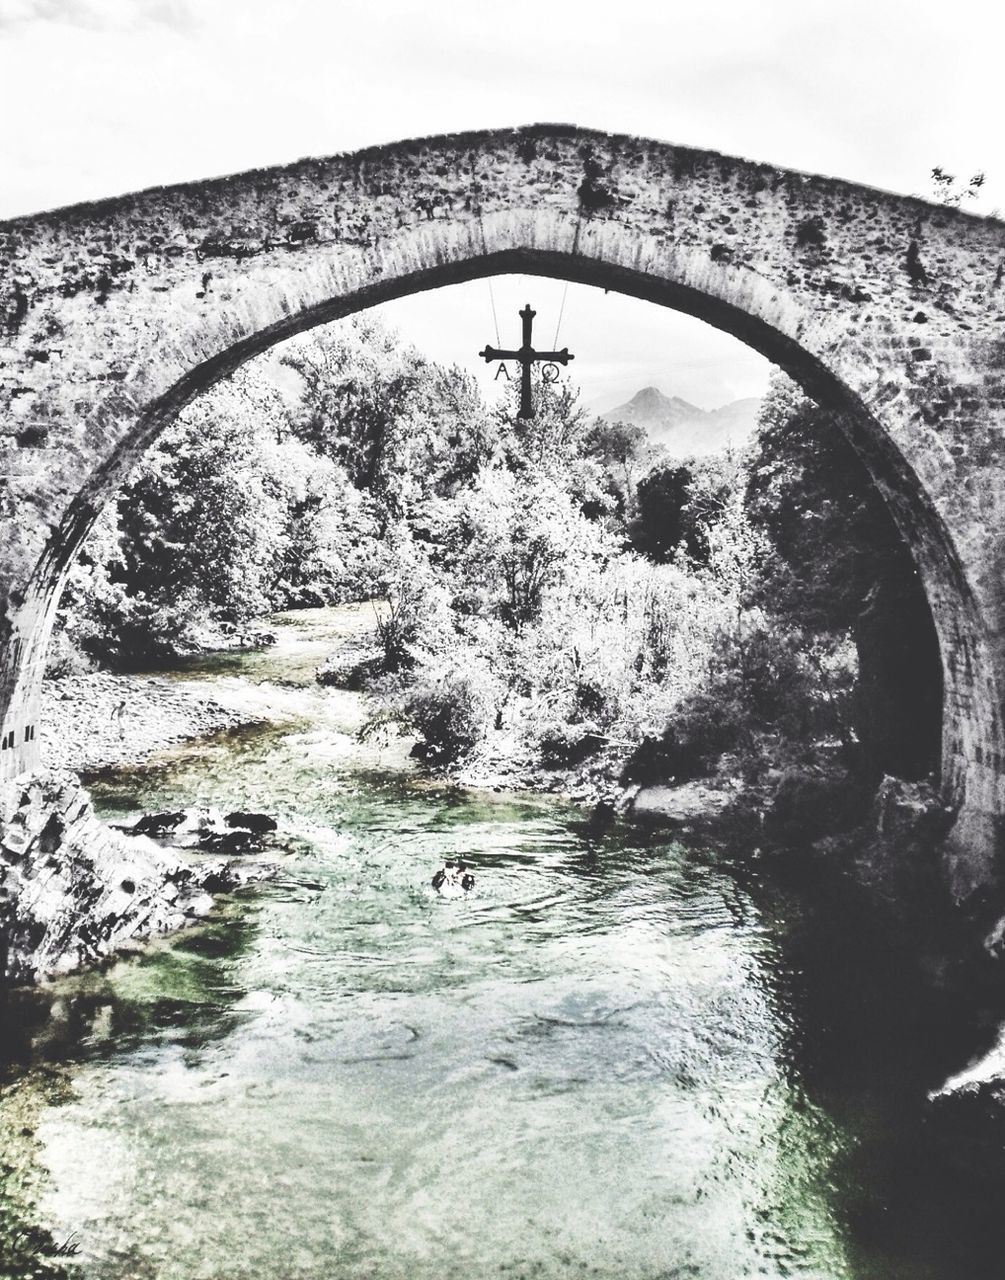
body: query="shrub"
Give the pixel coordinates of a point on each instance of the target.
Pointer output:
(449, 711)
(765, 684)
(569, 744)
(705, 726)
(65, 657)
(418, 613)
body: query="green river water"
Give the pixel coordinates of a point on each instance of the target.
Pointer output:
(616, 1057)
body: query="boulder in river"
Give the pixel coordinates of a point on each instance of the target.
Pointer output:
(73, 891)
(966, 1124)
(233, 843)
(351, 668)
(686, 804)
(157, 824)
(240, 832)
(259, 823)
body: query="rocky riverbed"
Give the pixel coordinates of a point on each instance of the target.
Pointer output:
(73, 890)
(96, 721)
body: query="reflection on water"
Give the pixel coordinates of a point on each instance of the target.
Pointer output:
(604, 1061)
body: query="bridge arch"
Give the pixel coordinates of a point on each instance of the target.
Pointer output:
(884, 307)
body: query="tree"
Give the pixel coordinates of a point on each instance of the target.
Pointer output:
(677, 504)
(402, 427)
(809, 490)
(227, 517)
(356, 382)
(553, 438)
(620, 448)
(843, 567)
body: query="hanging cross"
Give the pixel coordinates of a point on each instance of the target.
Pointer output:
(527, 355)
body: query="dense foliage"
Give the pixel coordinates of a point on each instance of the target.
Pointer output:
(267, 494)
(558, 597)
(843, 570)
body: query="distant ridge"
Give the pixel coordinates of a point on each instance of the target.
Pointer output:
(683, 429)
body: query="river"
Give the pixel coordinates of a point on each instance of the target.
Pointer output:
(616, 1057)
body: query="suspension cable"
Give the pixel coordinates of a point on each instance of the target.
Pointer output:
(495, 321)
(561, 312)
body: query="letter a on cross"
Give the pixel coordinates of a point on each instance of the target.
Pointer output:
(527, 356)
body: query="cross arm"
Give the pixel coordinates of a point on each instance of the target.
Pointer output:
(490, 354)
(554, 357)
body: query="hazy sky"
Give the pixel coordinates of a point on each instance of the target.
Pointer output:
(106, 96)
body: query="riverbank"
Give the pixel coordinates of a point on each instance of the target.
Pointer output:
(75, 891)
(82, 727)
(807, 790)
(100, 720)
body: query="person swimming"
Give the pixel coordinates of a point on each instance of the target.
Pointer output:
(453, 877)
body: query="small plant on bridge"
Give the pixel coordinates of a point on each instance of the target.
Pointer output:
(950, 190)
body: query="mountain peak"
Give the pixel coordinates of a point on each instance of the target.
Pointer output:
(653, 399)
(650, 408)
(682, 428)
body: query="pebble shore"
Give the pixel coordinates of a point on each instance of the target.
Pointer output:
(81, 728)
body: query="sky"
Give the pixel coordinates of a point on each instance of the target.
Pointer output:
(108, 96)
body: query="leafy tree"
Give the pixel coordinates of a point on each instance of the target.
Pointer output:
(844, 568)
(226, 518)
(677, 504)
(401, 427)
(354, 384)
(620, 449)
(807, 488)
(553, 437)
(661, 525)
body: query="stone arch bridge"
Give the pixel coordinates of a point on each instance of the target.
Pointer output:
(114, 314)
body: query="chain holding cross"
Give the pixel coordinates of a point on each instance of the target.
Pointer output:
(527, 356)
